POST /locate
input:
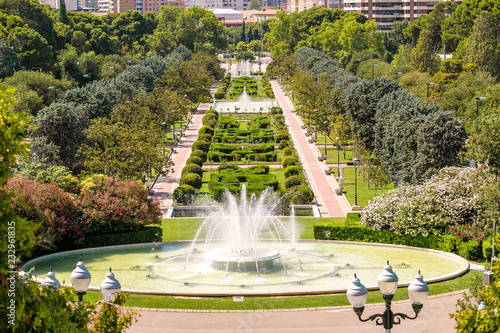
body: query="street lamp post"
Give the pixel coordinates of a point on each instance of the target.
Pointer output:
(357, 61)
(326, 131)
(428, 85)
(338, 156)
(373, 71)
(355, 160)
(397, 74)
(114, 74)
(55, 92)
(80, 278)
(388, 283)
(479, 99)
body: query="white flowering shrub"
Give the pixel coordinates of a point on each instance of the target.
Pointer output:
(449, 198)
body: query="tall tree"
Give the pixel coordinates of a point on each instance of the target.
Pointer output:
(482, 45)
(423, 56)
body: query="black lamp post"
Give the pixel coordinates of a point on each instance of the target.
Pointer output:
(479, 99)
(338, 156)
(388, 283)
(397, 74)
(326, 131)
(114, 74)
(355, 160)
(55, 92)
(428, 85)
(357, 61)
(373, 71)
(142, 58)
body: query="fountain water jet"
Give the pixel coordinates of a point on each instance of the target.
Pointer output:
(241, 224)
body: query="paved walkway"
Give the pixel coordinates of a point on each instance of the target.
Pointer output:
(323, 186)
(434, 318)
(166, 185)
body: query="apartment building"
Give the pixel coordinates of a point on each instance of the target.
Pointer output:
(155, 5)
(301, 5)
(221, 4)
(386, 12)
(121, 6)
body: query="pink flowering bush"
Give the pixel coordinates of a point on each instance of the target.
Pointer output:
(115, 206)
(449, 198)
(48, 205)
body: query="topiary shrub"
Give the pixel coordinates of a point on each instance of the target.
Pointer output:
(184, 194)
(213, 111)
(191, 179)
(288, 151)
(283, 144)
(280, 136)
(201, 145)
(293, 181)
(205, 137)
(195, 160)
(192, 168)
(206, 130)
(288, 161)
(301, 195)
(214, 156)
(292, 170)
(487, 247)
(209, 119)
(201, 154)
(276, 110)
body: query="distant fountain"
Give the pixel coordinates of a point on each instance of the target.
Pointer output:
(244, 101)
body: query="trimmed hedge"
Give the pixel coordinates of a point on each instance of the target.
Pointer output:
(280, 136)
(360, 233)
(293, 181)
(223, 169)
(201, 145)
(292, 170)
(147, 235)
(192, 168)
(184, 194)
(206, 130)
(301, 195)
(195, 160)
(258, 170)
(289, 161)
(276, 110)
(191, 179)
(201, 154)
(209, 119)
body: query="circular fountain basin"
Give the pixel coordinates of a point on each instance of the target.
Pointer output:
(252, 260)
(304, 267)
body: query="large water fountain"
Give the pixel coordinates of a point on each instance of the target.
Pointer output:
(244, 248)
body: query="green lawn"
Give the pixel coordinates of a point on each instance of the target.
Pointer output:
(259, 303)
(333, 153)
(364, 193)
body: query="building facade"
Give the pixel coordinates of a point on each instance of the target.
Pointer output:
(301, 5)
(155, 5)
(221, 4)
(386, 12)
(121, 6)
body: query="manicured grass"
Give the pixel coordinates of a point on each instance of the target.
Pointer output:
(185, 228)
(206, 178)
(333, 154)
(364, 193)
(259, 303)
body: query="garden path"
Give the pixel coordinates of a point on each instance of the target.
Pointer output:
(166, 185)
(434, 318)
(323, 186)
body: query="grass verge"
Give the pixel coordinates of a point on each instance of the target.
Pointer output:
(262, 303)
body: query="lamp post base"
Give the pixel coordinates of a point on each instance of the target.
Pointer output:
(356, 208)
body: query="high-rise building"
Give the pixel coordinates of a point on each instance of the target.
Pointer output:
(301, 5)
(386, 12)
(121, 6)
(212, 4)
(103, 6)
(155, 5)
